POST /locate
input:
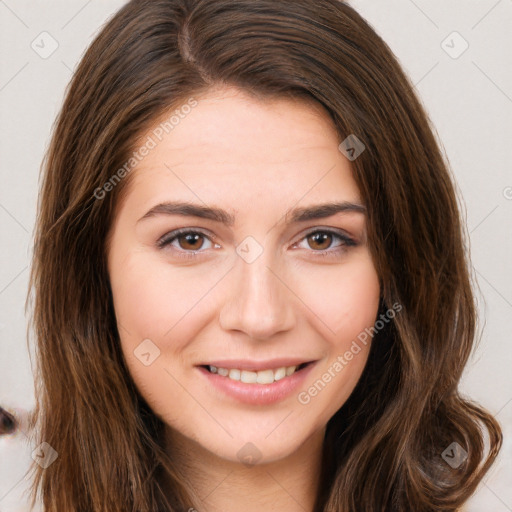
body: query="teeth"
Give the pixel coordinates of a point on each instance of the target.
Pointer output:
(261, 377)
(265, 377)
(234, 374)
(290, 370)
(280, 373)
(248, 377)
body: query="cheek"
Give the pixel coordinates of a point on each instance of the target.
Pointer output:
(166, 305)
(344, 298)
(151, 298)
(140, 301)
(345, 302)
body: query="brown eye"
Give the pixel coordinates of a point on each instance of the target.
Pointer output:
(321, 240)
(326, 242)
(186, 242)
(191, 241)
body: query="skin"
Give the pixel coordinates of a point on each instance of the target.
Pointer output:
(256, 160)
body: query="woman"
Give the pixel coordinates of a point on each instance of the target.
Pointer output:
(196, 346)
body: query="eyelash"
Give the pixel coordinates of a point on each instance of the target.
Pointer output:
(168, 238)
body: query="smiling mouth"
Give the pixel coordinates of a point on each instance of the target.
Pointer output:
(256, 377)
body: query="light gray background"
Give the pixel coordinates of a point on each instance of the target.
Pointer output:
(469, 99)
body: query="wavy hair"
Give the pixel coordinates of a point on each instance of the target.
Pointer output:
(383, 450)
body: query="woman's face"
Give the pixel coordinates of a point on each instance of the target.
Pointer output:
(265, 281)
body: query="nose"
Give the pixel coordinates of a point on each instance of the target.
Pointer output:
(259, 301)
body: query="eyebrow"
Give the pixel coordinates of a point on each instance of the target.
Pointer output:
(319, 211)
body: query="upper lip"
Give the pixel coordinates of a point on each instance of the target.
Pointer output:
(246, 364)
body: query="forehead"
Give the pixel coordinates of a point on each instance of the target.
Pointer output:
(232, 148)
(231, 124)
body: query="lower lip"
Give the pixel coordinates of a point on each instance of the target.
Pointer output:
(258, 394)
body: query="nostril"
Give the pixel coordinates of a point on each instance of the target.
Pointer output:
(7, 422)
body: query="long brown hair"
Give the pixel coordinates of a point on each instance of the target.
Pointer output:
(385, 448)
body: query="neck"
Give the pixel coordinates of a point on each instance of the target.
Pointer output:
(290, 484)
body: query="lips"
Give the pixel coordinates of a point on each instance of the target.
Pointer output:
(254, 382)
(256, 372)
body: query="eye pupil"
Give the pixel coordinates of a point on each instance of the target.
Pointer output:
(320, 237)
(191, 239)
